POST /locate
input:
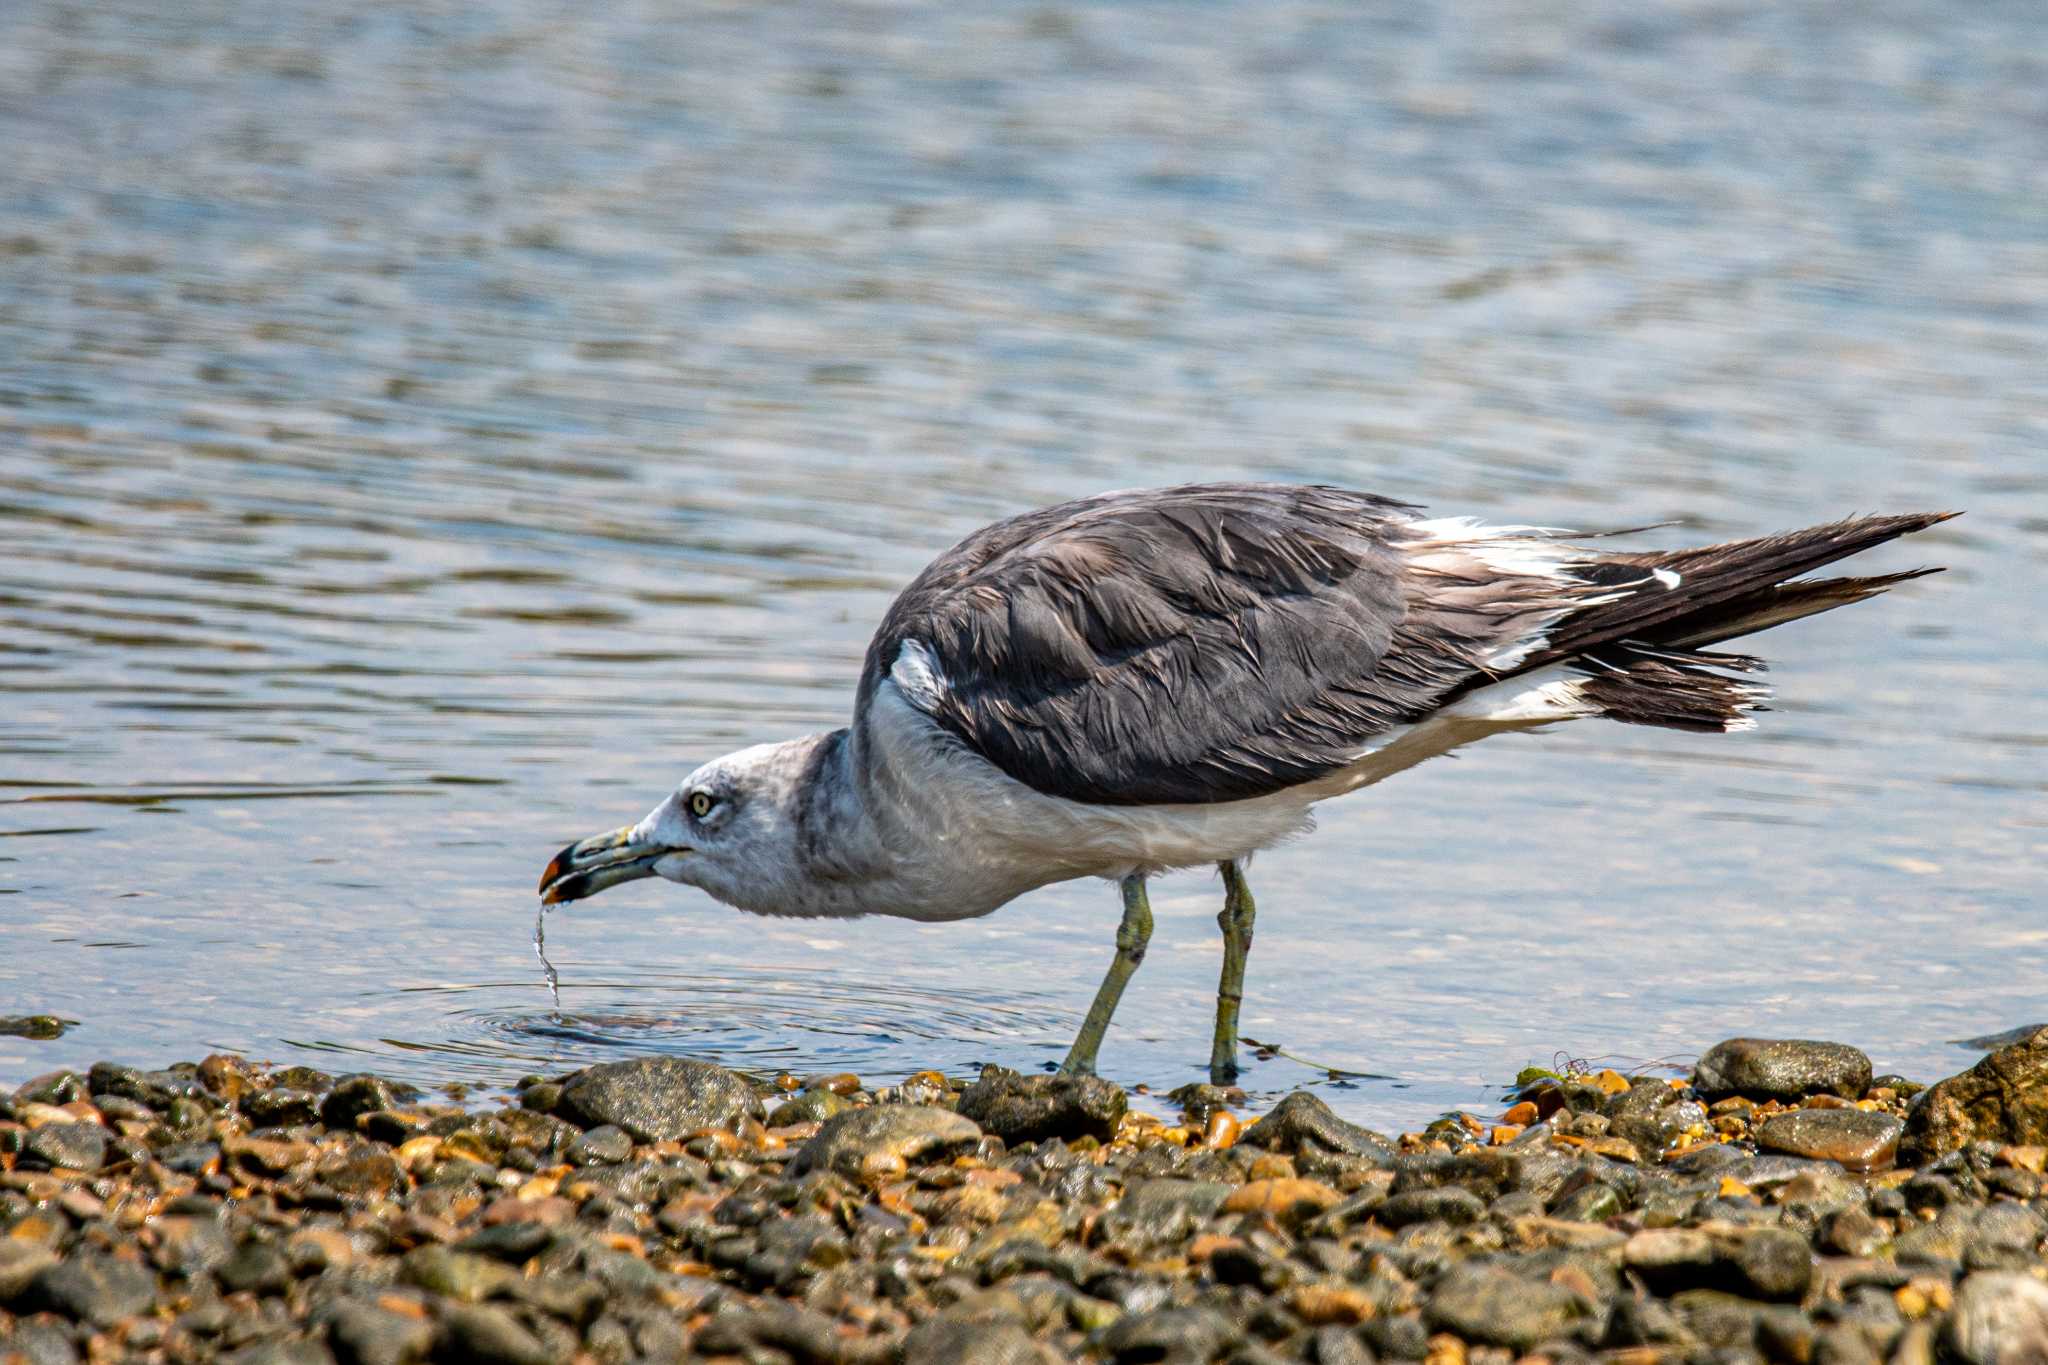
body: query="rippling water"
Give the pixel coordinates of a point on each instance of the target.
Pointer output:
(426, 432)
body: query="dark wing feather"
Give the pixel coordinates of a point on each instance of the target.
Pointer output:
(1195, 644)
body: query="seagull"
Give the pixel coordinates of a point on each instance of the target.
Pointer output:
(1169, 678)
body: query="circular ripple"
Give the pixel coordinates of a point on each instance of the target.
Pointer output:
(489, 1033)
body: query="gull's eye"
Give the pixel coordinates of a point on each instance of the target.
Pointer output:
(701, 804)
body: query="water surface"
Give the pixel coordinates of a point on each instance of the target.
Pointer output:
(428, 432)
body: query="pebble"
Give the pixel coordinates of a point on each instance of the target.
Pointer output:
(658, 1099)
(899, 1132)
(72, 1146)
(902, 1229)
(1020, 1108)
(1852, 1138)
(1496, 1307)
(2002, 1099)
(1781, 1069)
(2000, 1318)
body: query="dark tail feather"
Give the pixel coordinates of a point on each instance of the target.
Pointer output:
(1774, 606)
(1671, 689)
(1728, 590)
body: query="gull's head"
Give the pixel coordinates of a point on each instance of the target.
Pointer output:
(729, 828)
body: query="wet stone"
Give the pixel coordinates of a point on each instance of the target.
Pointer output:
(20, 1263)
(72, 1146)
(280, 1107)
(812, 1106)
(489, 1336)
(1781, 1069)
(1020, 1108)
(2003, 1099)
(1853, 1138)
(1154, 1213)
(1176, 1334)
(1500, 1308)
(1447, 1204)
(95, 1289)
(1302, 1122)
(904, 1132)
(658, 1099)
(603, 1145)
(948, 1342)
(1652, 1116)
(255, 1268)
(2000, 1318)
(362, 1333)
(52, 1087)
(37, 1343)
(354, 1096)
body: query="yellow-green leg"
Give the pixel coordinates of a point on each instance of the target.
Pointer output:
(1131, 937)
(1236, 921)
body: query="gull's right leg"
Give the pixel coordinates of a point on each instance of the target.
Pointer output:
(1131, 937)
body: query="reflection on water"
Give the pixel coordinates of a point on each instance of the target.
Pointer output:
(425, 435)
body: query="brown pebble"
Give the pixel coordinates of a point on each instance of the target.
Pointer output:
(1321, 1304)
(1288, 1199)
(1272, 1166)
(1222, 1129)
(1522, 1114)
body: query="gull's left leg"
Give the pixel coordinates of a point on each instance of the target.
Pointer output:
(1236, 921)
(1131, 937)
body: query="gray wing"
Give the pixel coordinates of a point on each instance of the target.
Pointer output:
(1210, 642)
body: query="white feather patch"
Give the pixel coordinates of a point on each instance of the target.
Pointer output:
(918, 676)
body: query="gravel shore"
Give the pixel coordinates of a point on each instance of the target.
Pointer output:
(1781, 1204)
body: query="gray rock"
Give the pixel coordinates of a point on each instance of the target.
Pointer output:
(813, 1106)
(1781, 1069)
(256, 1268)
(1176, 1334)
(459, 1275)
(488, 1336)
(658, 1099)
(281, 1351)
(189, 1247)
(1448, 1204)
(74, 1146)
(1484, 1303)
(354, 1096)
(947, 1341)
(2000, 1318)
(1155, 1214)
(1856, 1140)
(20, 1263)
(1652, 1116)
(915, 1132)
(2003, 1098)
(95, 1289)
(1301, 1121)
(1033, 1108)
(605, 1145)
(37, 1343)
(280, 1107)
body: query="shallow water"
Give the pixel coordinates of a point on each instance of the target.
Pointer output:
(426, 433)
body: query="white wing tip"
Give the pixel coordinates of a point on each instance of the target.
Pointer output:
(1667, 577)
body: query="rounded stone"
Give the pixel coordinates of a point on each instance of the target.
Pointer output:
(1853, 1138)
(2000, 1318)
(1018, 1108)
(2003, 1098)
(1781, 1069)
(68, 1146)
(906, 1132)
(658, 1099)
